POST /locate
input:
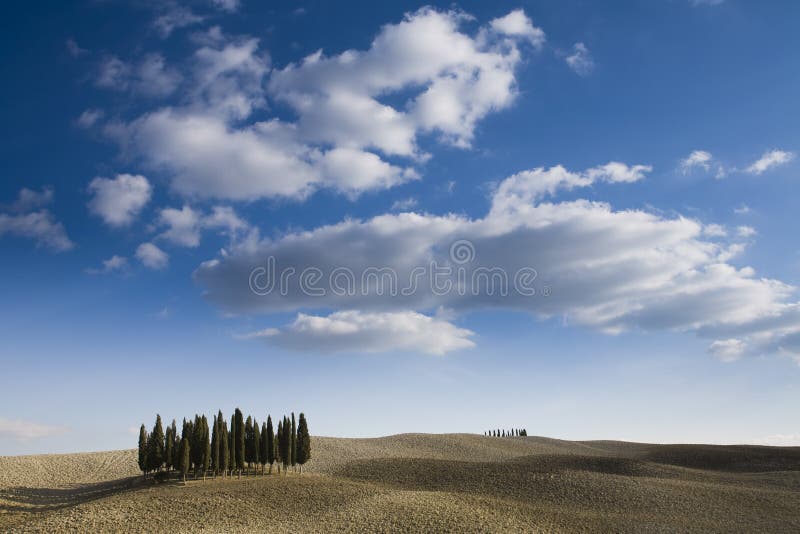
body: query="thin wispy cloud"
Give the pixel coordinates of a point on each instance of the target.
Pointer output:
(769, 160)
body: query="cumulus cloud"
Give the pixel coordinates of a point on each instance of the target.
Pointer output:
(344, 131)
(227, 5)
(404, 204)
(89, 118)
(21, 221)
(28, 199)
(173, 16)
(605, 269)
(517, 24)
(73, 48)
(369, 332)
(701, 159)
(580, 61)
(728, 350)
(151, 256)
(114, 263)
(184, 226)
(40, 226)
(26, 430)
(150, 76)
(770, 160)
(119, 201)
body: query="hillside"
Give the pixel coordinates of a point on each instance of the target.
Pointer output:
(424, 483)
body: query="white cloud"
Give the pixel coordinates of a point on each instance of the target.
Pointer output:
(714, 230)
(26, 430)
(151, 256)
(701, 159)
(517, 24)
(580, 61)
(89, 118)
(446, 79)
(728, 350)
(744, 209)
(696, 3)
(745, 231)
(149, 77)
(118, 201)
(174, 17)
(769, 160)
(404, 204)
(605, 269)
(227, 5)
(28, 199)
(370, 332)
(185, 225)
(40, 226)
(698, 158)
(73, 48)
(114, 263)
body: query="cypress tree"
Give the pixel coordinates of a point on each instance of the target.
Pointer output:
(167, 448)
(248, 441)
(196, 444)
(278, 446)
(239, 441)
(155, 446)
(143, 450)
(286, 444)
(185, 452)
(206, 445)
(256, 444)
(303, 443)
(224, 452)
(214, 447)
(264, 447)
(293, 442)
(270, 443)
(232, 445)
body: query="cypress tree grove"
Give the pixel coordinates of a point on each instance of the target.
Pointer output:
(303, 442)
(248, 441)
(262, 451)
(239, 441)
(293, 442)
(143, 450)
(185, 457)
(270, 443)
(224, 452)
(195, 443)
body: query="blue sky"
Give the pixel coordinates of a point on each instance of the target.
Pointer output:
(640, 158)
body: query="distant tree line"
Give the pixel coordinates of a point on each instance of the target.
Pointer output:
(514, 432)
(221, 450)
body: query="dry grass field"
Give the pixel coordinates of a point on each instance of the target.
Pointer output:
(424, 483)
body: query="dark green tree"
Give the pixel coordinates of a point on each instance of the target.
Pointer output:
(239, 441)
(155, 446)
(279, 445)
(263, 447)
(143, 456)
(168, 448)
(293, 442)
(256, 444)
(206, 446)
(303, 442)
(270, 443)
(185, 453)
(215, 447)
(286, 444)
(224, 452)
(248, 442)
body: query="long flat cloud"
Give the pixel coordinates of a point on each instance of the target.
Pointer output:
(602, 268)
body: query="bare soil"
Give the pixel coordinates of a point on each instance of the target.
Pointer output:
(423, 483)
